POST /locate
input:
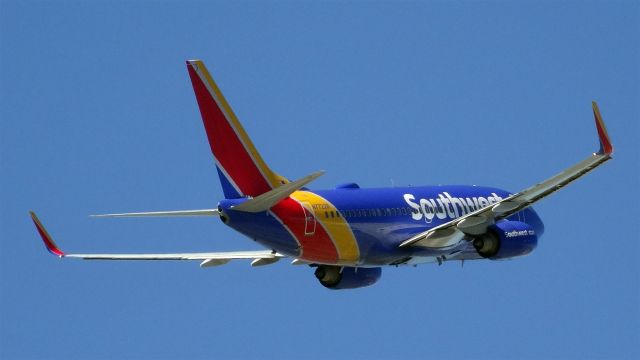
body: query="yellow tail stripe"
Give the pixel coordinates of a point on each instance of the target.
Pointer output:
(337, 227)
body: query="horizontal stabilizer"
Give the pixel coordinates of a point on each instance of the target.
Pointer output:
(269, 199)
(203, 212)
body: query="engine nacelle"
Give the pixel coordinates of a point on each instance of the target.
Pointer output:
(336, 277)
(506, 239)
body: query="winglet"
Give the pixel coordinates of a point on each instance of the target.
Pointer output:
(46, 238)
(606, 148)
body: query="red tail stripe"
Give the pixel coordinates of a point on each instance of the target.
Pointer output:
(319, 247)
(225, 145)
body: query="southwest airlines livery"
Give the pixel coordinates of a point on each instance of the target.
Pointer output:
(348, 233)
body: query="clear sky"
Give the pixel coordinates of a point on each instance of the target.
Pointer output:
(97, 114)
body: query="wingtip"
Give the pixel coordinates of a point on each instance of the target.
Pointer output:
(46, 238)
(606, 147)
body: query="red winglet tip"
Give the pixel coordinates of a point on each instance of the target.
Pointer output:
(46, 238)
(605, 142)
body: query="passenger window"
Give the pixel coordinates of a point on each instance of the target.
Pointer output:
(332, 216)
(326, 214)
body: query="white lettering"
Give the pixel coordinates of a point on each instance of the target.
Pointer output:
(428, 210)
(444, 206)
(441, 213)
(417, 214)
(516, 233)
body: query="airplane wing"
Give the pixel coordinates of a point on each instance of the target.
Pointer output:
(260, 257)
(476, 223)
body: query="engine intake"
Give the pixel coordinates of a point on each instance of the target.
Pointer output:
(337, 278)
(506, 239)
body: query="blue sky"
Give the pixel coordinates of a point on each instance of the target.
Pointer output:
(97, 114)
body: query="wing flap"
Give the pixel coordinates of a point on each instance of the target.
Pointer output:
(441, 238)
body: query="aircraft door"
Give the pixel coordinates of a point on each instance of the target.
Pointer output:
(309, 219)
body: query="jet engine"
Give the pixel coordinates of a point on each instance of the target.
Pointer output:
(506, 239)
(337, 277)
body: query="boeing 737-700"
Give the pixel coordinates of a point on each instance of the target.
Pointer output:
(349, 233)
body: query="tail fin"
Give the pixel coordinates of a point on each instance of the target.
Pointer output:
(242, 170)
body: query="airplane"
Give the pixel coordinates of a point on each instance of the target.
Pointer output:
(349, 233)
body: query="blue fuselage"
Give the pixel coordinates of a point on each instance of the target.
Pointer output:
(366, 226)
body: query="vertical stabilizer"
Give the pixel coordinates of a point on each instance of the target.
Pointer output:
(242, 170)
